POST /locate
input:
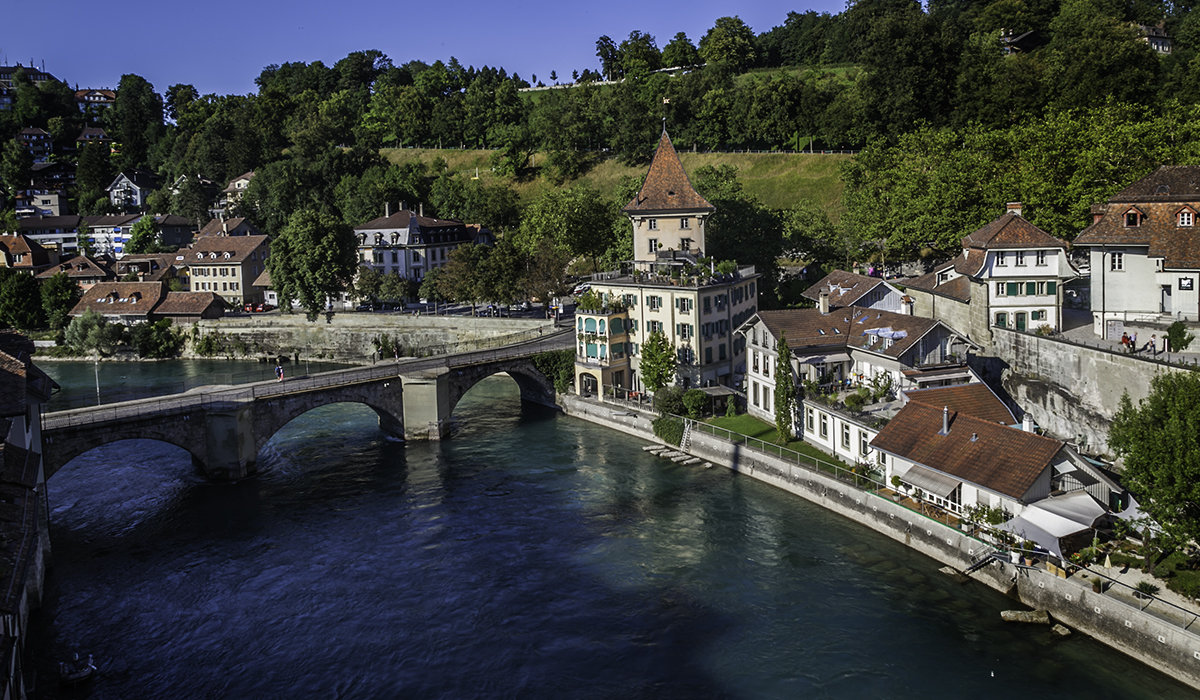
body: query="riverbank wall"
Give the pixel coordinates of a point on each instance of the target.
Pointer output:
(1165, 644)
(356, 337)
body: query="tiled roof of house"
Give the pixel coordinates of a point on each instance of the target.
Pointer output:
(809, 329)
(217, 227)
(263, 280)
(999, 458)
(172, 220)
(974, 399)
(34, 256)
(142, 179)
(121, 298)
(153, 266)
(80, 267)
(187, 303)
(1159, 197)
(844, 288)
(403, 219)
(33, 131)
(111, 220)
(92, 133)
(958, 288)
(1010, 231)
(238, 248)
(667, 187)
(66, 222)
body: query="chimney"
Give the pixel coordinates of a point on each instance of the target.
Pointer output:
(906, 305)
(945, 421)
(823, 302)
(387, 209)
(1027, 423)
(1013, 208)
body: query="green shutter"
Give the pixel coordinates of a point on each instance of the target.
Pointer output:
(1051, 287)
(1014, 288)
(1031, 288)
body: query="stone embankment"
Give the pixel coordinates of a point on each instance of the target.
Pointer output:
(1162, 639)
(355, 337)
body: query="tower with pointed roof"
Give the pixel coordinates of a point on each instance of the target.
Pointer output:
(668, 214)
(668, 291)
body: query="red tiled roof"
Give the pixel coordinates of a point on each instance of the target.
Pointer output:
(999, 458)
(1159, 197)
(187, 303)
(958, 288)
(80, 267)
(667, 187)
(1010, 231)
(34, 255)
(974, 399)
(403, 219)
(809, 329)
(844, 288)
(238, 247)
(217, 227)
(121, 298)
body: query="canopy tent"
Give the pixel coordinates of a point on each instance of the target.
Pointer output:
(826, 359)
(886, 332)
(1050, 520)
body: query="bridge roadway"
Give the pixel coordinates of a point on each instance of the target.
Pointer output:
(224, 427)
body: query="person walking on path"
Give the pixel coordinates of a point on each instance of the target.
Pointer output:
(279, 373)
(1133, 342)
(1154, 345)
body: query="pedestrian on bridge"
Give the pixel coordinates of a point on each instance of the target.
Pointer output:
(279, 373)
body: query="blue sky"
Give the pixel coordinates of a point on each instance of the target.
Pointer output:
(220, 46)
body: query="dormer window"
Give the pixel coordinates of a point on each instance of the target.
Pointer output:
(199, 256)
(1186, 218)
(212, 255)
(228, 255)
(1001, 259)
(1133, 218)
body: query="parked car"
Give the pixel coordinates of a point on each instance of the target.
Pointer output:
(581, 288)
(363, 307)
(263, 307)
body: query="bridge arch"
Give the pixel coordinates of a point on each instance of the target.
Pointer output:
(535, 387)
(59, 454)
(272, 417)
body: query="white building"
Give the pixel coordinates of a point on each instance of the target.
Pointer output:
(410, 245)
(1144, 252)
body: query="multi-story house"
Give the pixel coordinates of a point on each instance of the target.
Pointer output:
(849, 347)
(108, 233)
(21, 252)
(1144, 252)
(84, 271)
(410, 244)
(228, 265)
(58, 234)
(37, 142)
(1009, 275)
(233, 192)
(8, 82)
(236, 226)
(96, 99)
(129, 190)
(666, 289)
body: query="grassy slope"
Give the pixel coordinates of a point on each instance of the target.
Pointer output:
(776, 179)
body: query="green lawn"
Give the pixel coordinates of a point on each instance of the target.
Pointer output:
(776, 179)
(756, 428)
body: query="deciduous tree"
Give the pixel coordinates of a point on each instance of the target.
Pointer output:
(785, 391)
(658, 362)
(312, 260)
(59, 296)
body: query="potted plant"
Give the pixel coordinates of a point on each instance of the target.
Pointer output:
(896, 488)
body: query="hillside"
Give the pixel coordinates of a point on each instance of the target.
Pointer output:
(776, 179)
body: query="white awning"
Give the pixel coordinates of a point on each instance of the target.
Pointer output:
(1051, 519)
(830, 358)
(930, 481)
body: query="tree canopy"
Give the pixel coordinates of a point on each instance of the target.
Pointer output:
(313, 259)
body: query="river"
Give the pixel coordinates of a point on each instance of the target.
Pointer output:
(531, 555)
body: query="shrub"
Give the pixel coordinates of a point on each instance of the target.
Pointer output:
(669, 429)
(1147, 588)
(1185, 583)
(558, 366)
(731, 407)
(855, 402)
(158, 339)
(669, 399)
(1178, 337)
(694, 401)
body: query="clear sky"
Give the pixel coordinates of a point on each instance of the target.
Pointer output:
(220, 46)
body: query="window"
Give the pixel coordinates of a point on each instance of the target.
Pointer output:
(1000, 289)
(653, 245)
(1020, 257)
(1002, 320)
(1041, 257)
(721, 351)
(1031, 288)
(652, 224)
(754, 392)
(845, 436)
(809, 419)
(655, 302)
(708, 356)
(1186, 218)
(1001, 260)
(1132, 218)
(1014, 288)
(862, 442)
(686, 223)
(754, 361)
(684, 304)
(1037, 315)
(1117, 262)
(824, 425)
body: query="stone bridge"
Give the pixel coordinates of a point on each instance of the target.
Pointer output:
(224, 428)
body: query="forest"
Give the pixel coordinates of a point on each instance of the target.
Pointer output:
(956, 107)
